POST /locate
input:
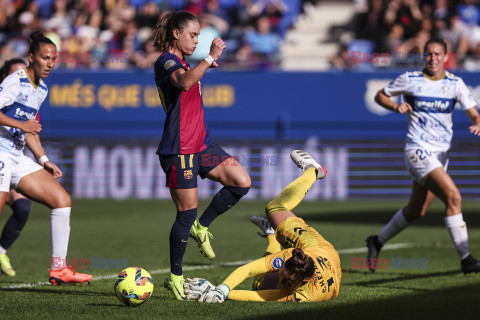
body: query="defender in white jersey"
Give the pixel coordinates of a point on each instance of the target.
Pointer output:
(21, 95)
(429, 99)
(20, 204)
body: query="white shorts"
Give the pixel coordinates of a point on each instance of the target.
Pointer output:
(421, 162)
(13, 168)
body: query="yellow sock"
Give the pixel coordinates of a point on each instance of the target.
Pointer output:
(294, 193)
(273, 245)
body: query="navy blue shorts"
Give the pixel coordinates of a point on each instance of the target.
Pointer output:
(182, 169)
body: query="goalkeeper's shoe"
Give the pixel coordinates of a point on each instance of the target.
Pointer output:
(303, 160)
(202, 237)
(6, 266)
(175, 283)
(68, 275)
(264, 225)
(374, 246)
(470, 264)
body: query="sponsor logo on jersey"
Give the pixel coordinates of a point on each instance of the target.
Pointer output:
(19, 113)
(1, 89)
(437, 104)
(169, 64)
(277, 263)
(187, 174)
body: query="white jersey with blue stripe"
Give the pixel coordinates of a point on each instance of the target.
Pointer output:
(20, 99)
(433, 102)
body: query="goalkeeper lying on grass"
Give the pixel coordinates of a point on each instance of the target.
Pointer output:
(307, 270)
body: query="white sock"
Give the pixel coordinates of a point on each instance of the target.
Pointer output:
(393, 227)
(458, 232)
(59, 235)
(2, 250)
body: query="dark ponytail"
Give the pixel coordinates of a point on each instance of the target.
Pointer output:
(163, 33)
(300, 267)
(36, 39)
(5, 70)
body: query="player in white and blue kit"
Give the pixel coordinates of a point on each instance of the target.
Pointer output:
(21, 95)
(19, 204)
(429, 99)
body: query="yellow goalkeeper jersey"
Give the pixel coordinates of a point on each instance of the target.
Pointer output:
(293, 233)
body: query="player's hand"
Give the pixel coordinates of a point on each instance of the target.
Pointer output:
(214, 64)
(53, 169)
(31, 126)
(217, 295)
(196, 287)
(217, 48)
(403, 108)
(475, 130)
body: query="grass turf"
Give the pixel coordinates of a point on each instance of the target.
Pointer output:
(138, 231)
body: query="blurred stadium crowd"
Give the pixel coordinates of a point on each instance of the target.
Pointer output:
(403, 26)
(118, 34)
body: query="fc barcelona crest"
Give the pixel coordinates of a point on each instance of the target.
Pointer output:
(187, 174)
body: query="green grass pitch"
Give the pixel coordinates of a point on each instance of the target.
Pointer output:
(138, 231)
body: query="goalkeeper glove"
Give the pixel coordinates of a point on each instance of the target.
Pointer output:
(217, 295)
(195, 288)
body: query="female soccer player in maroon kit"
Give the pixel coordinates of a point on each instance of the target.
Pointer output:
(186, 149)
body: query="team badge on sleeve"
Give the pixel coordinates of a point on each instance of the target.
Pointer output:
(169, 64)
(277, 263)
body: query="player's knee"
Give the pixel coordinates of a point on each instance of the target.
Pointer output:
(61, 200)
(454, 198)
(243, 181)
(21, 210)
(238, 192)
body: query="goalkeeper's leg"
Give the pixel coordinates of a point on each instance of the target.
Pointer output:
(280, 208)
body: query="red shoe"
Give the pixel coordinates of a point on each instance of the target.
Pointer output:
(68, 275)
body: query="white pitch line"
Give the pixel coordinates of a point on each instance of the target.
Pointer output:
(394, 246)
(210, 266)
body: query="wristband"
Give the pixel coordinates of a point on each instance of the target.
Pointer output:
(224, 289)
(42, 160)
(209, 59)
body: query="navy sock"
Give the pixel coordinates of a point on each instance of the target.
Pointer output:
(16, 222)
(226, 198)
(179, 237)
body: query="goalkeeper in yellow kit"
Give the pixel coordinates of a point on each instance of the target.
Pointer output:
(307, 270)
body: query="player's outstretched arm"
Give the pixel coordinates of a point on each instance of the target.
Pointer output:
(473, 115)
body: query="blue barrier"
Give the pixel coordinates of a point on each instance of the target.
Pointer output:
(237, 105)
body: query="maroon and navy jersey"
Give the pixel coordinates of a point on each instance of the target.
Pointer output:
(185, 130)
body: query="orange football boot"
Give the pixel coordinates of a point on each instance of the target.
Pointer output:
(68, 275)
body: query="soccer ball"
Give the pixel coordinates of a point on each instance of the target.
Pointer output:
(134, 286)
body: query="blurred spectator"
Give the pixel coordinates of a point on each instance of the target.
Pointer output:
(405, 12)
(211, 27)
(370, 25)
(272, 9)
(341, 60)
(118, 33)
(61, 20)
(469, 12)
(147, 15)
(263, 41)
(440, 11)
(393, 40)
